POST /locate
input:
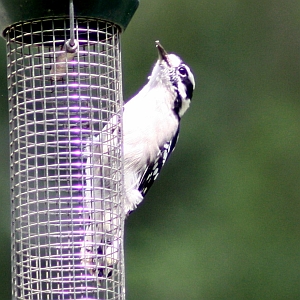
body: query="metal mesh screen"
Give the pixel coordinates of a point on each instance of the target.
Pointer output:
(57, 104)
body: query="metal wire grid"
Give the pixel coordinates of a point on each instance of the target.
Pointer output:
(55, 110)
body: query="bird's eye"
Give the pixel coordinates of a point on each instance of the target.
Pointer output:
(182, 71)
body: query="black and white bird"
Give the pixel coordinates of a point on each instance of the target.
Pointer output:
(151, 122)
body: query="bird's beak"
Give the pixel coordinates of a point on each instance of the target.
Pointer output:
(162, 54)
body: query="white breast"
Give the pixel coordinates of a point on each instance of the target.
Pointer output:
(148, 123)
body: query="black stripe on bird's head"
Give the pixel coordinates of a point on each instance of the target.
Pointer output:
(180, 77)
(178, 70)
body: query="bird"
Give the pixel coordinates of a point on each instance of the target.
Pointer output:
(151, 123)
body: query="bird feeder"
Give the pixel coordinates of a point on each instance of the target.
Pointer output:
(64, 84)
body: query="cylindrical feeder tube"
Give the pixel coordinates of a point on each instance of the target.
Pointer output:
(62, 193)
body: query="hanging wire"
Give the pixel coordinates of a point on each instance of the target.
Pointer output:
(72, 35)
(69, 50)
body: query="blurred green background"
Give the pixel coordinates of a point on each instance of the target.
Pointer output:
(222, 220)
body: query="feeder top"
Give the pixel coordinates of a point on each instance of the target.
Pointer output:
(118, 12)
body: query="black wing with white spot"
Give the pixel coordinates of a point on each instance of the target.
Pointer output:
(154, 168)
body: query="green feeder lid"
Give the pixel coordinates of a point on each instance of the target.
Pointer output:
(118, 12)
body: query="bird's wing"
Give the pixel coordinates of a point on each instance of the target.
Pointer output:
(154, 168)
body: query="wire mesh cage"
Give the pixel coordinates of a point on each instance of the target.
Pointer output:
(59, 104)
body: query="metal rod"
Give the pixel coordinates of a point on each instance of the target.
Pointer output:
(72, 37)
(70, 49)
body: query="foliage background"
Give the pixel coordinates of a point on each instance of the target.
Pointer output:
(222, 221)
